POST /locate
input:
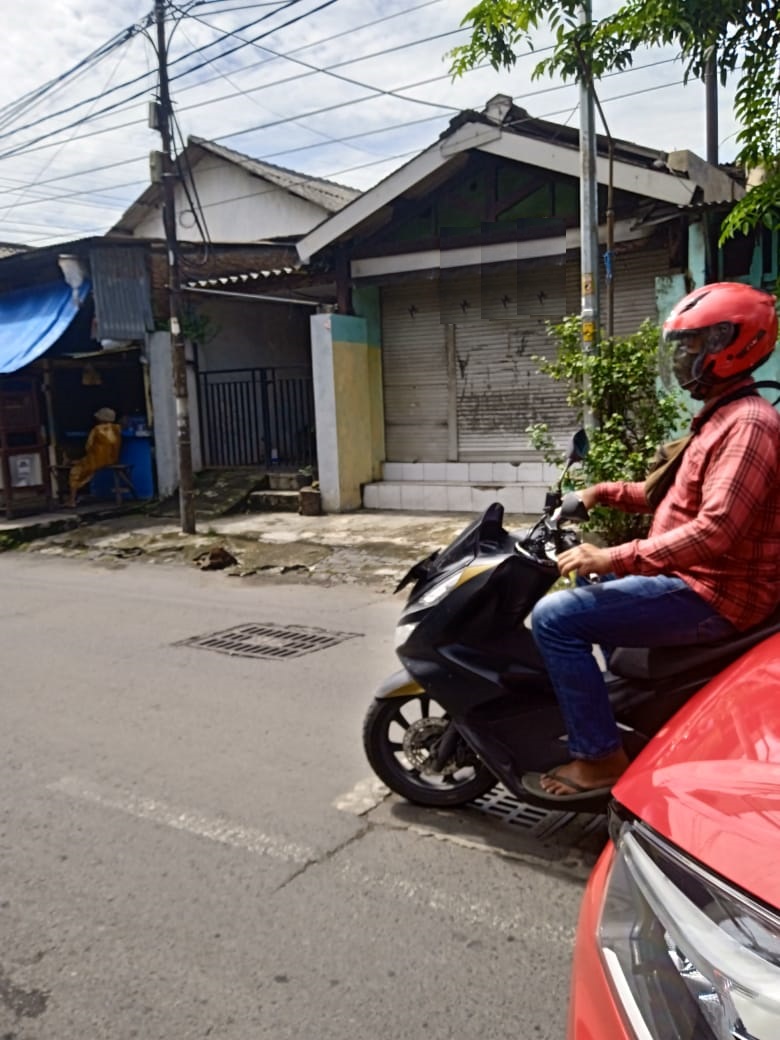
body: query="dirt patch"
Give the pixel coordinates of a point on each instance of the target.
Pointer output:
(361, 548)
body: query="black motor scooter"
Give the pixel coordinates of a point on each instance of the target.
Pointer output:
(473, 704)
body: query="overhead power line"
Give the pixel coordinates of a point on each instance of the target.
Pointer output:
(7, 112)
(53, 139)
(399, 156)
(39, 143)
(374, 133)
(146, 75)
(269, 84)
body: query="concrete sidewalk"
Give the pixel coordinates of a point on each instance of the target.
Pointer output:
(367, 547)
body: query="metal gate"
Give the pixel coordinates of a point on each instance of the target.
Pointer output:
(257, 417)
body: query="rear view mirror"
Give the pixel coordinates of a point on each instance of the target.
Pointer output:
(579, 447)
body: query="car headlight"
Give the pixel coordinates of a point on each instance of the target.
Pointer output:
(690, 957)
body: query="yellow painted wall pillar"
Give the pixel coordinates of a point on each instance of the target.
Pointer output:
(342, 375)
(367, 305)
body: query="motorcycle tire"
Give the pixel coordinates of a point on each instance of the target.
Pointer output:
(385, 722)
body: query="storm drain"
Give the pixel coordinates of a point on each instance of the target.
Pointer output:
(268, 641)
(549, 826)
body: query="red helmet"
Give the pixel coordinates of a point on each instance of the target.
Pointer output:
(723, 330)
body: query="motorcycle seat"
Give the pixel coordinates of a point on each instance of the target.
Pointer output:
(663, 662)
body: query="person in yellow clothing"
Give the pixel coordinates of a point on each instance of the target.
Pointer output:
(102, 449)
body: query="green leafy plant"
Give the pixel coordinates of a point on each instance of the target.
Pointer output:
(631, 415)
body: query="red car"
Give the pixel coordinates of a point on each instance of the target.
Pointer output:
(679, 931)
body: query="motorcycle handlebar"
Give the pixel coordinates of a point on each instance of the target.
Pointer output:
(572, 508)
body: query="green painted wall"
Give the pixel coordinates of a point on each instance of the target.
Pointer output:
(367, 305)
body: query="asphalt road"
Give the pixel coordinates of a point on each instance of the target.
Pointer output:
(179, 858)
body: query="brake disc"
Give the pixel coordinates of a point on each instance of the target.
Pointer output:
(419, 742)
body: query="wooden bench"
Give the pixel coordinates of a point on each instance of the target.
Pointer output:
(121, 480)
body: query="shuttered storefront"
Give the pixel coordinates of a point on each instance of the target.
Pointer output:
(475, 401)
(500, 326)
(414, 362)
(635, 299)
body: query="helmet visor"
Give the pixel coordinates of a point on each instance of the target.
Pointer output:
(710, 340)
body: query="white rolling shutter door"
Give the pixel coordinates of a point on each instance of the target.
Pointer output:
(500, 321)
(500, 390)
(635, 298)
(414, 364)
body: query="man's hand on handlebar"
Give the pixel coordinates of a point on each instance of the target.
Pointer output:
(585, 559)
(588, 497)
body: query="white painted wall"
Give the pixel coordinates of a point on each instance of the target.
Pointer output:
(325, 412)
(237, 207)
(166, 448)
(158, 350)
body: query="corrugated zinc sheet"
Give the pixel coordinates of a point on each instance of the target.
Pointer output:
(634, 278)
(500, 389)
(121, 287)
(414, 361)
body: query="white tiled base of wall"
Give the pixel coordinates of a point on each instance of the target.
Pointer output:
(453, 498)
(461, 487)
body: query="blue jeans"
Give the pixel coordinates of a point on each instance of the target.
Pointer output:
(632, 611)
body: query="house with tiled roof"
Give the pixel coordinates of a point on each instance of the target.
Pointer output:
(245, 305)
(225, 196)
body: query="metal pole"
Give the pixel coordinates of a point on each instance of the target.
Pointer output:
(589, 217)
(711, 101)
(609, 254)
(178, 354)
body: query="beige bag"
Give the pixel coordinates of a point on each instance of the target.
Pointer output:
(663, 469)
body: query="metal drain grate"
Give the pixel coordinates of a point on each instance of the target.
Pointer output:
(549, 826)
(270, 641)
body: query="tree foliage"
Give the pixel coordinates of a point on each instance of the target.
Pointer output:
(618, 386)
(743, 37)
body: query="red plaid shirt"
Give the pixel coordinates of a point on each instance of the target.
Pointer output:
(718, 527)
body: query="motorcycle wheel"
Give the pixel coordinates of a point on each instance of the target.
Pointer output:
(400, 736)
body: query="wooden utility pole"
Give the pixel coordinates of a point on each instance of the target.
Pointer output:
(178, 353)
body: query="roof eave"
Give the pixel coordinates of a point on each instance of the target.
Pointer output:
(490, 138)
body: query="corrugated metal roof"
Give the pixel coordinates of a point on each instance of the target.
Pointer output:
(258, 269)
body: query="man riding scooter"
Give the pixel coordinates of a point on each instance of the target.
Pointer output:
(710, 566)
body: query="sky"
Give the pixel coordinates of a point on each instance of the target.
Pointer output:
(348, 90)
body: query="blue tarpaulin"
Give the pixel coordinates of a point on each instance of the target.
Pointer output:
(32, 320)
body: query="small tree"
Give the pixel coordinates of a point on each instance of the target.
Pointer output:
(618, 386)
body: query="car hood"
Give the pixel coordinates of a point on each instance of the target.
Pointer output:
(709, 781)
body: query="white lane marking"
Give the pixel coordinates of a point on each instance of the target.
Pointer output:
(247, 838)
(364, 796)
(502, 917)
(421, 894)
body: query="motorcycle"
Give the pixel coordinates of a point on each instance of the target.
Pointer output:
(472, 705)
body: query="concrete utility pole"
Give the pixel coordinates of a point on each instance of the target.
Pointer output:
(589, 213)
(178, 354)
